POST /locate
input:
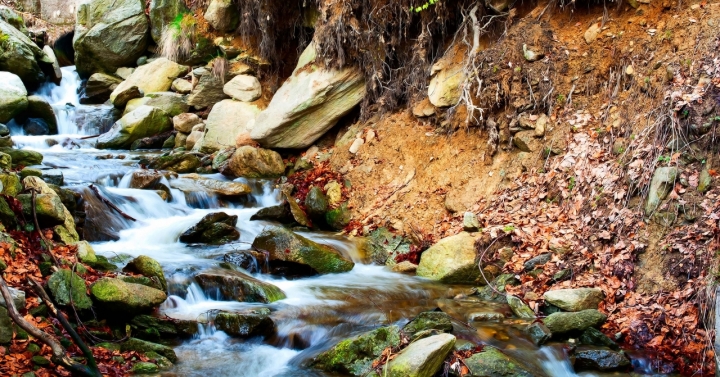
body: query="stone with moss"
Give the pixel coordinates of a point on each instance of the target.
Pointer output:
(143, 367)
(5, 161)
(453, 259)
(178, 162)
(562, 322)
(162, 362)
(68, 288)
(7, 216)
(316, 202)
(236, 285)
(142, 122)
(11, 185)
(148, 267)
(119, 297)
(6, 326)
(285, 246)
(492, 362)
(422, 358)
(519, 307)
(163, 328)
(40, 361)
(383, 246)
(139, 345)
(246, 323)
(85, 252)
(23, 157)
(428, 321)
(142, 280)
(103, 264)
(27, 172)
(338, 218)
(355, 356)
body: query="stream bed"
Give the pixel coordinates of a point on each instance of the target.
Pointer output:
(318, 311)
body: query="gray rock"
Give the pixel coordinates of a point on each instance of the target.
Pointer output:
(4, 130)
(594, 337)
(109, 34)
(660, 186)
(98, 88)
(156, 76)
(56, 75)
(253, 162)
(195, 182)
(422, 358)
(20, 56)
(539, 333)
(222, 15)
(226, 121)
(67, 288)
(587, 358)
(215, 228)
(452, 260)
(562, 322)
(207, 92)
(235, 285)
(519, 307)
(428, 321)
(316, 203)
(143, 122)
(537, 261)
(246, 323)
(243, 88)
(575, 300)
(36, 127)
(18, 298)
(13, 96)
(308, 104)
(492, 362)
(470, 222)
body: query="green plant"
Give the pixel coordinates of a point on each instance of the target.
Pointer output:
(495, 69)
(423, 7)
(178, 39)
(518, 69)
(663, 159)
(716, 118)
(667, 35)
(508, 228)
(571, 185)
(560, 99)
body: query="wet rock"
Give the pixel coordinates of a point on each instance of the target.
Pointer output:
(4, 130)
(405, 267)
(48, 208)
(142, 122)
(23, 157)
(288, 247)
(162, 13)
(222, 15)
(243, 88)
(704, 181)
(85, 252)
(143, 367)
(65, 232)
(235, 285)
(98, 88)
(519, 307)
(171, 103)
(355, 356)
(562, 322)
(153, 328)
(599, 359)
(594, 337)
(660, 186)
(148, 267)
(422, 358)
(428, 321)
(316, 202)
(67, 288)
(13, 96)
(297, 213)
(179, 163)
(470, 222)
(446, 76)
(492, 362)
(539, 333)
(109, 35)
(227, 119)
(18, 298)
(185, 122)
(142, 346)
(216, 229)
(247, 260)
(156, 76)
(338, 218)
(253, 162)
(207, 92)
(537, 261)
(145, 179)
(383, 246)
(20, 56)
(452, 260)
(117, 296)
(224, 188)
(575, 300)
(246, 323)
(280, 213)
(221, 157)
(36, 127)
(38, 107)
(308, 104)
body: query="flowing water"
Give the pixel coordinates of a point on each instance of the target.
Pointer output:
(317, 312)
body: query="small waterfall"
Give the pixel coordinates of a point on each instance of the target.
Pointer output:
(64, 100)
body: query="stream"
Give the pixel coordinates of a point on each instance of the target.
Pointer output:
(318, 311)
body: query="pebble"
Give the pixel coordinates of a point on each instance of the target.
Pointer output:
(355, 147)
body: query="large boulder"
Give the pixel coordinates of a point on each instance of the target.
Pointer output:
(162, 13)
(246, 323)
(20, 55)
(244, 88)
(55, 73)
(308, 104)
(109, 34)
(235, 285)
(156, 76)
(562, 322)
(124, 298)
(492, 362)
(355, 356)
(169, 102)
(38, 107)
(68, 288)
(575, 300)
(143, 122)
(148, 267)
(23, 157)
(285, 246)
(446, 76)
(452, 260)
(49, 209)
(226, 121)
(98, 88)
(422, 358)
(251, 162)
(223, 15)
(13, 96)
(215, 228)
(65, 232)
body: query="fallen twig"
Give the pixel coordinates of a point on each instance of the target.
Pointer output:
(110, 204)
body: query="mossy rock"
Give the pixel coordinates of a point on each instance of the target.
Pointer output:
(355, 356)
(48, 209)
(492, 362)
(30, 172)
(247, 323)
(179, 163)
(7, 216)
(338, 218)
(134, 344)
(119, 297)
(85, 252)
(316, 203)
(68, 288)
(162, 362)
(236, 285)
(283, 245)
(383, 246)
(103, 264)
(428, 321)
(23, 157)
(148, 267)
(563, 322)
(11, 185)
(143, 367)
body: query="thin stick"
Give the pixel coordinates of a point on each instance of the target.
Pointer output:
(58, 352)
(110, 204)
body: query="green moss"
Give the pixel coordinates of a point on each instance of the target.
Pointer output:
(355, 356)
(67, 287)
(138, 345)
